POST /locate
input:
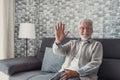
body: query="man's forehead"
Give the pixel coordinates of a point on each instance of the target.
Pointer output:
(85, 23)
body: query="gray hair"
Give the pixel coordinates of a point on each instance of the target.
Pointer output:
(87, 20)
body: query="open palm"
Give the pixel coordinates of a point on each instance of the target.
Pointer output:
(59, 32)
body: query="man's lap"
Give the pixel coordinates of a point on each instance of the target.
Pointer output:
(74, 78)
(57, 76)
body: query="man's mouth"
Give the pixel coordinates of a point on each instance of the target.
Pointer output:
(85, 34)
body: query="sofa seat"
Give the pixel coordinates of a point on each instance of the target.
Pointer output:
(32, 75)
(42, 76)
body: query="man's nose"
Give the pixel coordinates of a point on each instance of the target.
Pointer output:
(85, 30)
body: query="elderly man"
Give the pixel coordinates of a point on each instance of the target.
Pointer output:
(83, 57)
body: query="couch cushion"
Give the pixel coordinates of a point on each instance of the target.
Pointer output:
(109, 69)
(25, 75)
(111, 48)
(28, 75)
(51, 61)
(16, 65)
(42, 77)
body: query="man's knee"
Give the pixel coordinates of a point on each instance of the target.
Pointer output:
(74, 78)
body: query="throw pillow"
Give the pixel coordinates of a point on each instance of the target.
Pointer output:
(51, 61)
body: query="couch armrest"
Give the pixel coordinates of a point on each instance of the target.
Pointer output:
(15, 65)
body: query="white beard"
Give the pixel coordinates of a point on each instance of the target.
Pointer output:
(84, 39)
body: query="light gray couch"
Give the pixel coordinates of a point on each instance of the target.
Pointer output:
(29, 68)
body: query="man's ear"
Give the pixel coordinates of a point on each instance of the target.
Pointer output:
(92, 31)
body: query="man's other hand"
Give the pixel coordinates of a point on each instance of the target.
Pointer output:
(69, 74)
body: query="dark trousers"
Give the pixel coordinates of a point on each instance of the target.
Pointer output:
(59, 74)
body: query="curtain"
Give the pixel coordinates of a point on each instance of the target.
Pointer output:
(7, 29)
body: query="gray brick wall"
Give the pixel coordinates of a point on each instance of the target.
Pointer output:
(46, 13)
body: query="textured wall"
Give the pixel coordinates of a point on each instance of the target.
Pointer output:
(46, 13)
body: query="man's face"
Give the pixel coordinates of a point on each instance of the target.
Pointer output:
(85, 30)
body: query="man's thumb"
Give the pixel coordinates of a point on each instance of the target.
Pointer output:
(66, 33)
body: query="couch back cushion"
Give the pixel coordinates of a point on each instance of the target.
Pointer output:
(111, 48)
(109, 69)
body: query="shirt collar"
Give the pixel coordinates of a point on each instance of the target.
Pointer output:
(87, 41)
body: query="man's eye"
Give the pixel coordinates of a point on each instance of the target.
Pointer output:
(81, 28)
(85, 28)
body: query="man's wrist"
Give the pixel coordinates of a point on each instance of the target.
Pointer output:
(57, 42)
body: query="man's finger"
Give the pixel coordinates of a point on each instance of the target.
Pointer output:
(59, 26)
(64, 77)
(56, 27)
(62, 74)
(63, 27)
(66, 33)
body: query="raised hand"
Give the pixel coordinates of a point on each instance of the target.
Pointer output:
(59, 33)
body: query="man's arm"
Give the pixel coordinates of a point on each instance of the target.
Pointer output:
(61, 49)
(59, 36)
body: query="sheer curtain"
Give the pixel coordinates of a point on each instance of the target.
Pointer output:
(6, 29)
